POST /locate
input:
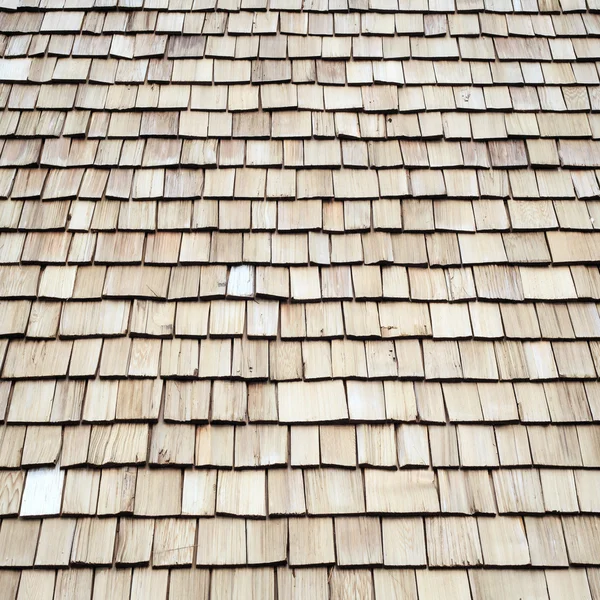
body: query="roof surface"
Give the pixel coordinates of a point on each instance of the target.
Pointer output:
(299, 301)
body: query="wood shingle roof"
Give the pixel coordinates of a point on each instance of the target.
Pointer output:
(299, 299)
